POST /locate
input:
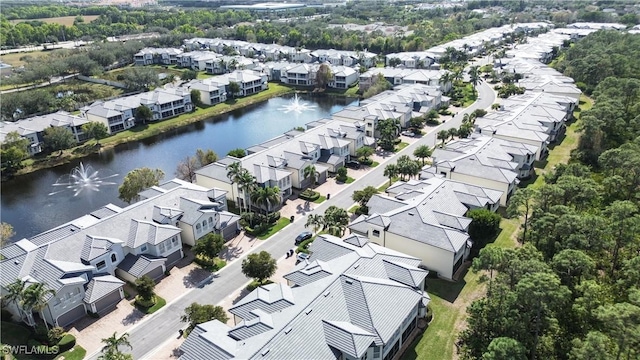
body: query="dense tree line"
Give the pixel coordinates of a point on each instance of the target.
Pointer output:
(572, 291)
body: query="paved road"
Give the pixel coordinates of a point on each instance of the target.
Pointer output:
(54, 80)
(163, 325)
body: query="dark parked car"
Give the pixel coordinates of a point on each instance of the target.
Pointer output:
(303, 236)
(353, 164)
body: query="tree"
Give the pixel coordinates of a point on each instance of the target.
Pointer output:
(453, 132)
(35, 297)
(233, 172)
(111, 349)
(624, 224)
(189, 75)
(484, 225)
(311, 173)
(206, 157)
(521, 203)
(138, 180)
(341, 174)
(195, 98)
(407, 167)
(388, 132)
(209, 245)
(596, 346)
(620, 322)
(145, 287)
(572, 266)
(95, 130)
(13, 151)
(259, 266)
(237, 153)
(391, 171)
(422, 152)
(140, 78)
(490, 258)
(268, 196)
(246, 184)
(504, 348)
(363, 153)
(14, 295)
(474, 76)
(315, 221)
(58, 138)
(186, 169)
(234, 88)
(335, 220)
(195, 314)
(443, 135)
(323, 76)
(143, 114)
(6, 232)
(363, 196)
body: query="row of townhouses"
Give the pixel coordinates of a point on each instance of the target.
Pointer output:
(87, 261)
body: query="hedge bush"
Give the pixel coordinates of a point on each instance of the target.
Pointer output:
(304, 246)
(67, 342)
(273, 217)
(309, 195)
(141, 302)
(210, 264)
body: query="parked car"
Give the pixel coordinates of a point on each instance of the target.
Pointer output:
(306, 235)
(302, 257)
(408, 133)
(354, 164)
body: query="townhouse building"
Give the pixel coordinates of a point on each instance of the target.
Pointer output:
(196, 60)
(153, 56)
(119, 114)
(398, 76)
(33, 128)
(336, 306)
(86, 260)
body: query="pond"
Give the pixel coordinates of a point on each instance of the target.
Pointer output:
(31, 204)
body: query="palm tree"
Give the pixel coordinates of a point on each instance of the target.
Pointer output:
(423, 152)
(391, 171)
(233, 172)
(474, 75)
(35, 298)
(15, 291)
(443, 135)
(445, 81)
(266, 196)
(452, 132)
(311, 173)
(315, 221)
(335, 229)
(246, 183)
(111, 350)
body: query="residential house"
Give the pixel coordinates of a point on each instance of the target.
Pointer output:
(152, 56)
(119, 114)
(79, 260)
(398, 76)
(196, 60)
(33, 128)
(212, 90)
(493, 169)
(336, 307)
(225, 64)
(344, 57)
(427, 222)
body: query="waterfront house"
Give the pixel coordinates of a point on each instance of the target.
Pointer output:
(336, 306)
(80, 260)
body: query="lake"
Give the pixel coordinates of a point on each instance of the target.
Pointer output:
(31, 204)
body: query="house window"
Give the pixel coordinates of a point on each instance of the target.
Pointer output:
(174, 240)
(204, 224)
(198, 228)
(114, 258)
(101, 265)
(376, 352)
(376, 233)
(210, 221)
(162, 248)
(143, 248)
(77, 292)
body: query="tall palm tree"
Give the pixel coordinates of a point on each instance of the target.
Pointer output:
(246, 183)
(443, 135)
(233, 172)
(111, 350)
(266, 196)
(15, 291)
(391, 171)
(445, 81)
(311, 173)
(314, 220)
(35, 298)
(474, 75)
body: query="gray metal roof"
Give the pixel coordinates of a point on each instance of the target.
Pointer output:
(339, 311)
(140, 265)
(95, 246)
(101, 286)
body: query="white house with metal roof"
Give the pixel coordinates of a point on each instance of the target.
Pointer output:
(336, 308)
(33, 128)
(163, 56)
(398, 76)
(78, 260)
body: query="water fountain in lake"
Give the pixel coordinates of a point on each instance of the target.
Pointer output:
(82, 178)
(296, 106)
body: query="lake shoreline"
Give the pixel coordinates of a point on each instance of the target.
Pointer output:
(146, 131)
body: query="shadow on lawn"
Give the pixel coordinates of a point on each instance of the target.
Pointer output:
(448, 290)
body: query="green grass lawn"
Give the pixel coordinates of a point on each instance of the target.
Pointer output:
(350, 180)
(450, 300)
(374, 164)
(13, 334)
(160, 302)
(320, 199)
(400, 146)
(75, 353)
(353, 209)
(279, 225)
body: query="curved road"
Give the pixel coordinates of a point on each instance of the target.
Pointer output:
(153, 331)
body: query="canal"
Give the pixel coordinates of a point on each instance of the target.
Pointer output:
(31, 204)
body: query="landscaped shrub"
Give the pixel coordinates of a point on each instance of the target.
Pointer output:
(55, 334)
(304, 246)
(67, 342)
(309, 195)
(257, 230)
(41, 334)
(273, 217)
(255, 284)
(210, 264)
(429, 315)
(145, 303)
(435, 121)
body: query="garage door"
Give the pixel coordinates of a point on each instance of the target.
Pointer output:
(72, 316)
(229, 232)
(156, 273)
(173, 258)
(108, 302)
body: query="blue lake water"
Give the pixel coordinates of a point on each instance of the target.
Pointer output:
(27, 203)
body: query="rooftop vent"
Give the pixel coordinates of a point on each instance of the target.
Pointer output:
(265, 352)
(287, 330)
(308, 311)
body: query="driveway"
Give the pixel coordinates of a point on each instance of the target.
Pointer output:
(147, 334)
